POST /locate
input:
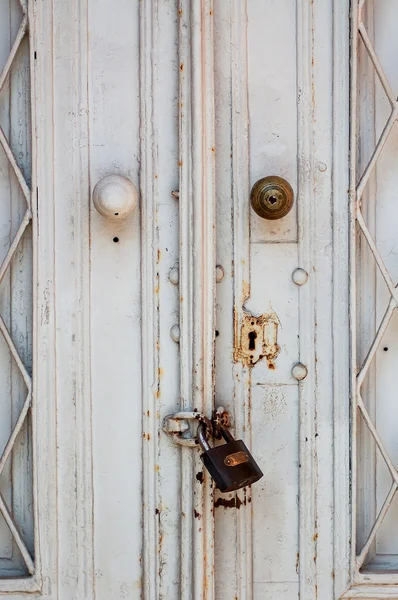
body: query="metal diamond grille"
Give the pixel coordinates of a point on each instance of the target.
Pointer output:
(362, 234)
(20, 421)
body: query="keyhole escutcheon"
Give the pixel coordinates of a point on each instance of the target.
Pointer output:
(252, 340)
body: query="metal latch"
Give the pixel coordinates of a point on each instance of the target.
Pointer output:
(180, 425)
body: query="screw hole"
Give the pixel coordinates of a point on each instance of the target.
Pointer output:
(385, 349)
(272, 200)
(217, 333)
(116, 239)
(116, 214)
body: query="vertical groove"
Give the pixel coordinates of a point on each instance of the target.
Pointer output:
(150, 325)
(197, 282)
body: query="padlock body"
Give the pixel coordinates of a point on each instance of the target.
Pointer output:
(231, 466)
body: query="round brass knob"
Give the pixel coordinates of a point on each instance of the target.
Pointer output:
(272, 197)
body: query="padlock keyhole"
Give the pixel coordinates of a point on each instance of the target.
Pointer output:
(252, 340)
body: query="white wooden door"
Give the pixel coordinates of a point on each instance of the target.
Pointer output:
(110, 321)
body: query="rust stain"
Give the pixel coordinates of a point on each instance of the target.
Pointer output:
(245, 290)
(234, 502)
(222, 418)
(297, 562)
(197, 514)
(258, 339)
(181, 66)
(200, 476)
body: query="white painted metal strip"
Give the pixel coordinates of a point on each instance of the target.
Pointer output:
(371, 592)
(7, 259)
(197, 283)
(16, 535)
(150, 315)
(18, 173)
(341, 356)
(241, 281)
(26, 585)
(377, 340)
(383, 511)
(375, 435)
(15, 47)
(353, 276)
(307, 299)
(44, 319)
(14, 434)
(72, 300)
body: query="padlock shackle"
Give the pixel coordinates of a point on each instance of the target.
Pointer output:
(201, 436)
(226, 434)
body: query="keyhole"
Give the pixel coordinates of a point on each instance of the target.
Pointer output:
(272, 200)
(252, 340)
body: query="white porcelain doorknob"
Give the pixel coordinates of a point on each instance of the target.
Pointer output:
(115, 197)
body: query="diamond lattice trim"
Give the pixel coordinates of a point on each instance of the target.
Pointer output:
(392, 288)
(4, 511)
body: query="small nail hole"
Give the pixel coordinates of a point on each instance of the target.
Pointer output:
(115, 239)
(116, 214)
(217, 333)
(385, 349)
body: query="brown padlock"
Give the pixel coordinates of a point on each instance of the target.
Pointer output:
(231, 465)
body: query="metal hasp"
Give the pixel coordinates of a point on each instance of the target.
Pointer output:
(230, 465)
(272, 197)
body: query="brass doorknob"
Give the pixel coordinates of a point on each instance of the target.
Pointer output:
(272, 197)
